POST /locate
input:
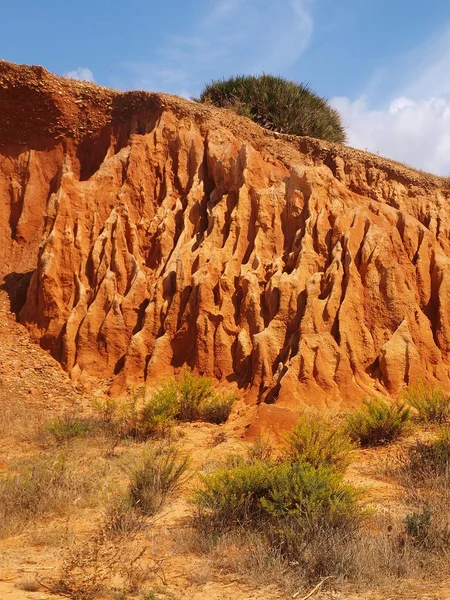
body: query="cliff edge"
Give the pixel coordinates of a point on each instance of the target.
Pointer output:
(141, 232)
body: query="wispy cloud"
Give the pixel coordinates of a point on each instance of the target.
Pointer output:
(426, 68)
(81, 73)
(235, 36)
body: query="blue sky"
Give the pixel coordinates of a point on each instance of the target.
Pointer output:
(384, 64)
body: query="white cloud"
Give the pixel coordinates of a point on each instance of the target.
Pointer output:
(234, 37)
(81, 73)
(415, 132)
(413, 126)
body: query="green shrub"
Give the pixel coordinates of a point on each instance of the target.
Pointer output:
(264, 492)
(431, 402)
(315, 441)
(232, 495)
(299, 514)
(417, 525)
(314, 496)
(154, 477)
(192, 393)
(277, 104)
(158, 414)
(377, 423)
(191, 398)
(217, 409)
(67, 428)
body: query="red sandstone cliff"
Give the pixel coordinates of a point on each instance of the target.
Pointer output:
(160, 233)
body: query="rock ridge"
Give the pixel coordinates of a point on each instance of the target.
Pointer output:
(149, 232)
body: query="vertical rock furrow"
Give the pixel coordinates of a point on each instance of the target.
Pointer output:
(169, 234)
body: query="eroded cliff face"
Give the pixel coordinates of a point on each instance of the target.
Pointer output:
(162, 233)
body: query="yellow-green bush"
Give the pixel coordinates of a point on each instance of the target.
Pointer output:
(316, 441)
(430, 401)
(377, 423)
(190, 398)
(265, 492)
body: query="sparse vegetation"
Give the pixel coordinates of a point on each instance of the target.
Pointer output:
(430, 401)
(423, 472)
(287, 507)
(156, 475)
(121, 518)
(216, 409)
(189, 398)
(281, 516)
(429, 462)
(120, 418)
(316, 441)
(67, 428)
(377, 423)
(39, 485)
(277, 104)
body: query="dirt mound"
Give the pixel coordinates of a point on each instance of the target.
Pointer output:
(158, 233)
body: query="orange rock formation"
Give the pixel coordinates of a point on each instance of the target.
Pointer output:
(162, 233)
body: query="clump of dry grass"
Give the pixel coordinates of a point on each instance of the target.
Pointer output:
(122, 519)
(15, 421)
(424, 472)
(87, 568)
(96, 567)
(37, 486)
(155, 476)
(28, 584)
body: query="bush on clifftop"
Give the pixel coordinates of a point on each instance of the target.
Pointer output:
(277, 104)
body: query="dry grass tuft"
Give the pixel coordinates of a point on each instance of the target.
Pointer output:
(38, 486)
(15, 421)
(157, 474)
(121, 519)
(28, 584)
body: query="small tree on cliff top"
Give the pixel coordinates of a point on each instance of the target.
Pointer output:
(277, 104)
